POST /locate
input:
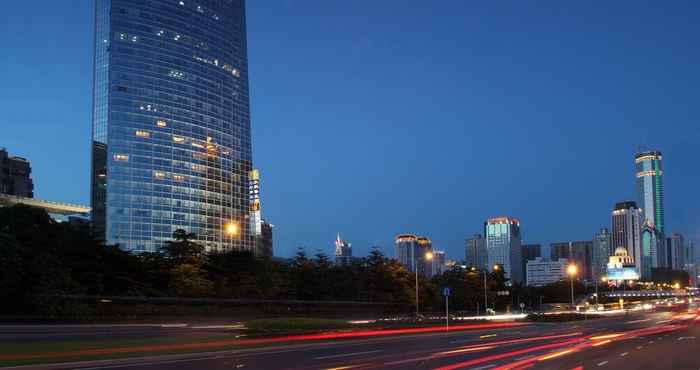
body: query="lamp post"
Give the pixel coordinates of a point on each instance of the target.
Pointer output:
(428, 257)
(486, 302)
(572, 270)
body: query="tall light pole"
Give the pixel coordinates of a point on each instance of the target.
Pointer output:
(486, 302)
(572, 270)
(428, 257)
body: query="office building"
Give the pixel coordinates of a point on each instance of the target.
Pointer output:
(650, 188)
(15, 176)
(676, 251)
(438, 263)
(343, 252)
(626, 230)
(414, 253)
(579, 253)
(541, 271)
(503, 246)
(171, 140)
(530, 252)
(475, 252)
(602, 245)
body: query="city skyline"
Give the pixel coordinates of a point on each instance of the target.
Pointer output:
(448, 224)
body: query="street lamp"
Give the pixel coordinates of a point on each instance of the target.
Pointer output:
(428, 257)
(572, 270)
(232, 229)
(486, 302)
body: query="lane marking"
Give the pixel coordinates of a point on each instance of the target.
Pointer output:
(174, 326)
(663, 321)
(685, 338)
(483, 367)
(624, 354)
(488, 336)
(347, 355)
(524, 358)
(150, 363)
(640, 347)
(637, 321)
(603, 363)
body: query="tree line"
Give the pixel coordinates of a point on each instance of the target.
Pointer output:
(42, 260)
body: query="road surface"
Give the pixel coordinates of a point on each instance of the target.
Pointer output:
(652, 340)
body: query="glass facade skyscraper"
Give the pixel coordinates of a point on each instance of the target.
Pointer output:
(171, 142)
(650, 188)
(504, 246)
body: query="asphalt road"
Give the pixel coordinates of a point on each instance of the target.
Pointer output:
(656, 340)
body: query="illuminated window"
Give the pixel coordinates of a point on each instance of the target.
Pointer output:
(161, 123)
(121, 157)
(178, 139)
(198, 145)
(159, 175)
(178, 178)
(141, 133)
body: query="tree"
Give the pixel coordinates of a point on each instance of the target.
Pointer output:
(183, 249)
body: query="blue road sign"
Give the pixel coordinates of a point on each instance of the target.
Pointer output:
(446, 292)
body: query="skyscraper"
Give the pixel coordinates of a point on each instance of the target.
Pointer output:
(626, 229)
(650, 188)
(171, 142)
(530, 252)
(503, 246)
(15, 176)
(579, 253)
(343, 252)
(411, 251)
(602, 245)
(265, 245)
(677, 251)
(475, 252)
(438, 263)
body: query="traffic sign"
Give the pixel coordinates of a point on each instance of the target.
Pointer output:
(446, 291)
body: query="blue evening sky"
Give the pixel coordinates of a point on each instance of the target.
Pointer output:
(374, 118)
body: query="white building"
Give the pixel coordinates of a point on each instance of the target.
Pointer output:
(541, 271)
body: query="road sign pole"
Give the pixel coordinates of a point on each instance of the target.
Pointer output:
(447, 313)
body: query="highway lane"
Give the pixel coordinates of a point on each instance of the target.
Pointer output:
(548, 346)
(480, 349)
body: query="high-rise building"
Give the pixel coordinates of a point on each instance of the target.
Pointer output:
(343, 252)
(602, 245)
(677, 251)
(626, 230)
(503, 246)
(530, 252)
(475, 252)
(438, 263)
(412, 252)
(650, 188)
(542, 271)
(15, 176)
(171, 141)
(579, 253)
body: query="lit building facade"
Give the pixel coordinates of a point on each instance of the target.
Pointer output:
(650, 188)
(15, 176)
(438, 263)
(503, 246)
(579, 253)
(542, 271)
(171, 141)
(412, 252)
(475, 252)
(626, 230)
(530, 252)
(602, 244)
(621, 267)
(343, 252)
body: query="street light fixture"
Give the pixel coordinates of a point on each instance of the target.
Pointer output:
(232, 229)
(572, 270)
